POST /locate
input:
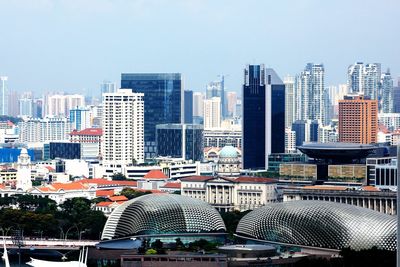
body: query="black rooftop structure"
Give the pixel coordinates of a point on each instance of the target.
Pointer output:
(337, 152)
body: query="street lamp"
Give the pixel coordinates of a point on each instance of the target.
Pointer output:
(73, 226)
(18, 240)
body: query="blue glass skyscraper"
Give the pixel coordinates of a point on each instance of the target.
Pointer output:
(263, 116)
(163, 94)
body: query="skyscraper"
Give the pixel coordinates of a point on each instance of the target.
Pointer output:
(4, 96)
(358, 120)
(212, 113)
(396, 98)
(108, 87)
(123, 132)
(231, 99)
(309, 93)
(217, 89)
(387, 92)
(180, 141)
(355, 78)
(290, 109)
(188, 100)
(263, 116)
(364, 79)
(163, 95)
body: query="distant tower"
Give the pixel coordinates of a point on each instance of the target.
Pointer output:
(24, 171)
(3, 96)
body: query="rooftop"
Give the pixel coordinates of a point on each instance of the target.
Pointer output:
(88, 131)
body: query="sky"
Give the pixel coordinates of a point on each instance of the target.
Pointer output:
(73, 45)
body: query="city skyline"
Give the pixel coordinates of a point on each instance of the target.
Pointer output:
(88, 42)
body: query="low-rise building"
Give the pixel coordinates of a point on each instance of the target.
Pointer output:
(366, 196)
(227, 194)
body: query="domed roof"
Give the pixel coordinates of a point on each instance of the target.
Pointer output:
(320, 224)
(228, 152)
(162, 214)
(24, 151)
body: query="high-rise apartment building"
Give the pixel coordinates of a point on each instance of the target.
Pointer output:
(108, 87)
(188, 110)
(310, 92)
(364, 79)
(44, 130)
(3, 96)
(13, 103)
(387, 104)
(123, 128)
(396, 98)
(217, 89)
(231, 99)
(263, 116)
(25, 106)
(60, 105)
(290, 109)
(163, 95)
(80, 118)
(358, 120)
(212, 113)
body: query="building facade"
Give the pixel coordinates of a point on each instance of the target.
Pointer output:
(163, 95)
(222, 137)
(263, 116)
(180, 141)
(123, 128)
(44, 130)
(358, 120)
(188, 102)
(80, 118)
(228, 194)
(212, 113)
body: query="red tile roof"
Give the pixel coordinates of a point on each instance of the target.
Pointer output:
(118, 198)
(49, 168)
(105, 182)
(88, 131)
(155, 174)
(104, 193)
(325, 187)
(173, 185)
(104, 204)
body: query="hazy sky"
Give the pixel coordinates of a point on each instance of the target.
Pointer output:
(72, 45)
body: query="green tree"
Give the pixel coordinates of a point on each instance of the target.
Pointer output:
(130, 193)
(231, 220)
(151, 251)
(118, 177)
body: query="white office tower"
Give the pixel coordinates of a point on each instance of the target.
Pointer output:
(212, 113)
(364, 79)
(24, 181)
(387, 92)
(3, 96)
(309, 93)
(123, 132)
(290, 109)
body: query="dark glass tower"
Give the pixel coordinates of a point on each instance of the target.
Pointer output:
(263, 116)
(188, 107)
(163, 95)
(180, 141)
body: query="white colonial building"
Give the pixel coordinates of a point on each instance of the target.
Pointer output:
(227, 194)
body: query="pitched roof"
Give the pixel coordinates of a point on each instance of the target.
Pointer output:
(104, 193)
(173, 185)
(117, 198)
(104, 203)
(155, 174)
(88, 131)
(49, 168)
(104, 182)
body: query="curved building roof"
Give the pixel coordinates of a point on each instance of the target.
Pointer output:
(162, 214)
(337, 151)
(320, 224)
(228, 152)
